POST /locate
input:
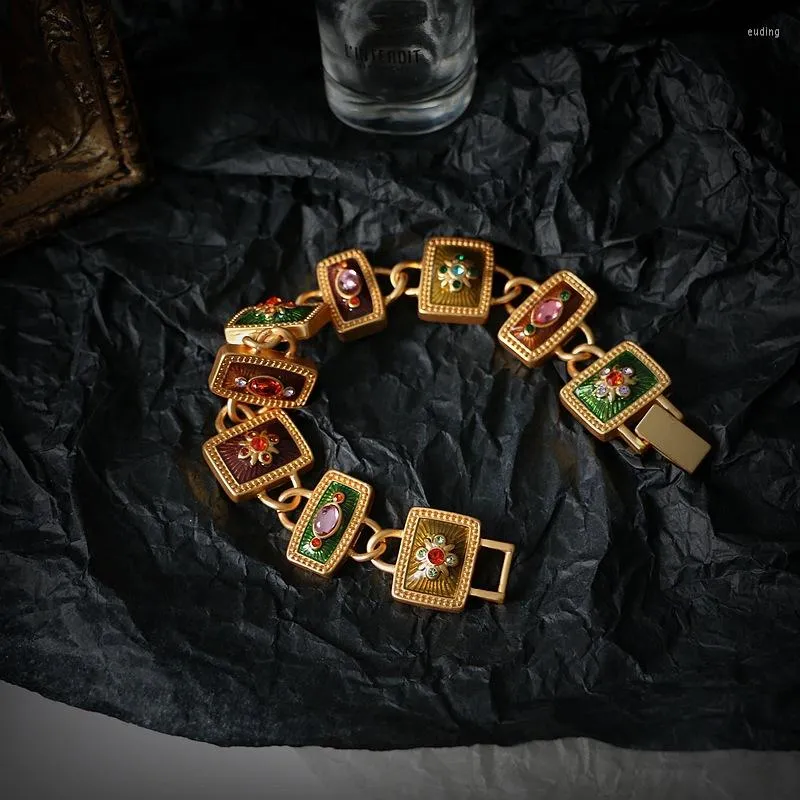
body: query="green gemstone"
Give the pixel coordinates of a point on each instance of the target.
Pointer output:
(460, 256)
(432, 573)
(528, 329)
(456, 284)
(443, 269)
(347, 506)
(421, 553)
(605, 409)
(439, 540)
(565, 295)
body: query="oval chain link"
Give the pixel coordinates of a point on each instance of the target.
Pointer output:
(267, 338)
(287, 500)
(379, 538)
(398, 277)
(235, 412)
(312, 298)
(399, 281)
(585, 352)
(372, 553)
(510, 292)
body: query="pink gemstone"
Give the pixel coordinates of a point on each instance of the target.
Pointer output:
(547, 312)
(348, 282)
(327, 519)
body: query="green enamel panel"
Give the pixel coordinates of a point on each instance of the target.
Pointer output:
(329, 545)
(258, 316)
(605, 409)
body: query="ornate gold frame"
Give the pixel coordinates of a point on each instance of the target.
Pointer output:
(365, 496)
(229, 355)
(532, 358)
(241, 491)
(348, 330)
(70, 139)
(436, 312)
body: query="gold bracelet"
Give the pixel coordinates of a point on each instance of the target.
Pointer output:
(258, 372)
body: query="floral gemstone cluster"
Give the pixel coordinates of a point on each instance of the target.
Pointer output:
(259, 448)
(457, 273)
(434, 559)
(275, 307)
(614, 383)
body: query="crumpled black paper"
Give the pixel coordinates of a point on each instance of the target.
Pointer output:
(651, 147)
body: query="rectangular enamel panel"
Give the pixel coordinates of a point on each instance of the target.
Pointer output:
(613, 390)
(257, 454)
(456, 282)
(352, 294)
(338, 506)
(260, 379)
(547, 318)
(301, 321)
(436, 559)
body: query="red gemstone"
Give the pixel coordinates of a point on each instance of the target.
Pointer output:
(316, 542)
(273, 301)
(258, 443)
(436, 556)
(615, 378)
(265, 386)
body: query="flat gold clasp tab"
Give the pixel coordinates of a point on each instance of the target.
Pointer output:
(672, 438)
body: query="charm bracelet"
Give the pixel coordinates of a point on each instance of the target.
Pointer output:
(258, 447)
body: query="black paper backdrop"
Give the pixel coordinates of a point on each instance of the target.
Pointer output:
(653, 148)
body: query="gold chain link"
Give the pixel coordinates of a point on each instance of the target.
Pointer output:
(585, 352)
(378, 538)
(312, 298)
(398, 277)
(235, 412)
(268, 338)
(511, 292)
(372, 552)
(287, 500)
(399, 281)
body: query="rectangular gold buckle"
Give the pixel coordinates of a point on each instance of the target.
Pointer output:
(498, 596)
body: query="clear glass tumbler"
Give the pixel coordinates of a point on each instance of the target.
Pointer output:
(398, 66)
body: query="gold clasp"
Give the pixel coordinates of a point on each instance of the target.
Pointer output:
(662, 428)
(626, 386)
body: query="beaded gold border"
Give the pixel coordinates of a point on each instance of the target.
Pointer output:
(369, 323)
(458, 599)
(301, 330)
(226, 357)
(241, 491)
(532, 358)
(361, 510)
(603, 429)
(437, 312)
